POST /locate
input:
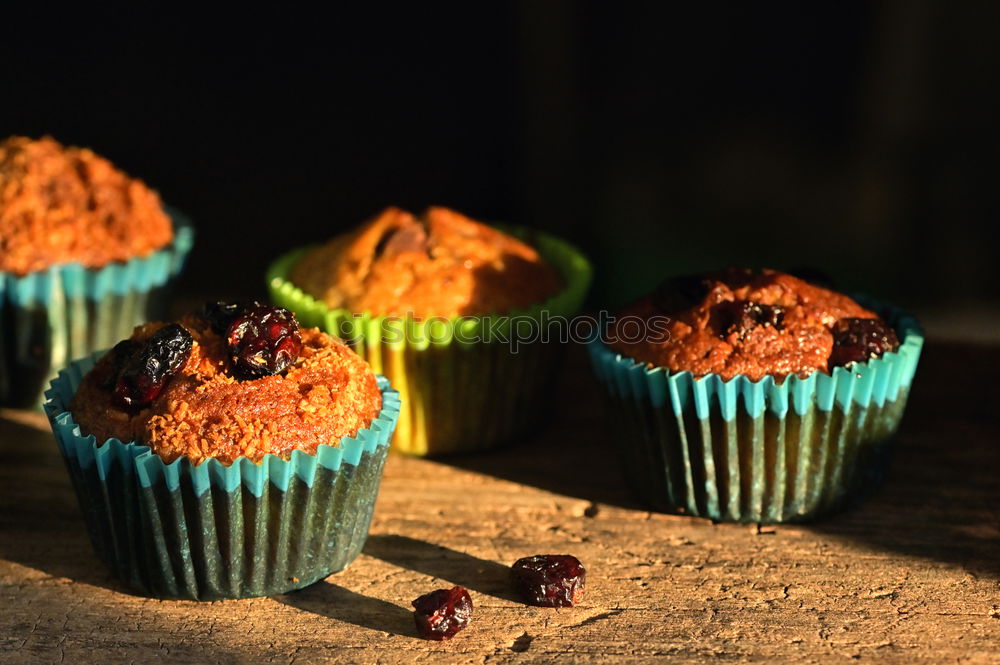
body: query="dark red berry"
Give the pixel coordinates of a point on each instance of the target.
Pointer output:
(220, 314)
(442, 613)
(124, 350)
(119, 355)
(263, 341)
(742, 316)
(684, 292)
(147, 369)
(859, 340)
(549, 580)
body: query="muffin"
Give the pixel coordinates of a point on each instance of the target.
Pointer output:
(442, 264)
(86, 253)
(444, 306)
(756, 396)
(226, 455)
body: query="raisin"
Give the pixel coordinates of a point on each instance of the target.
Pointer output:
(221, 314)
(148, 368)
(124, 350)
(859, 340)
(119, 354)
(549, 580)
(742, 316)
(442, 613)
(263, 341)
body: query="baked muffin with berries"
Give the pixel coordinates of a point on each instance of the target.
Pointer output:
(226, 455)
(86, 252)
(432, 301)
(756, 396)
(241, 381)
(755, 324)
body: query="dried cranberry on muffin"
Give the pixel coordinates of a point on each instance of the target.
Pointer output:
(235, 381)
(440, 264)
(741, 322)
(65, 204)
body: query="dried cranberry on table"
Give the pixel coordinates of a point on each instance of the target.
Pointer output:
(442, 613)
(147, 367)
(549, 580)
(859, 340)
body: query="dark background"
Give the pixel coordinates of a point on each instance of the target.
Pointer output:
(860, 138)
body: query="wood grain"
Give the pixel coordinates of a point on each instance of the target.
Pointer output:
(911, 577)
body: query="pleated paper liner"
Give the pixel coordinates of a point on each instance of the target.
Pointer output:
(209, 531)
(463, 387)
(50, 317)
(765, 451)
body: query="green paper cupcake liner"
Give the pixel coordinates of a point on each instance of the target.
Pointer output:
(764, 451)
(50, 317)
(210, 531)
(462, 387)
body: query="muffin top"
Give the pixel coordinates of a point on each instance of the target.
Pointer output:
(441, 264)
(60, 205)
(738, 321)
(259, 386)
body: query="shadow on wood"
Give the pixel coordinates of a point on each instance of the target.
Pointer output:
(39, 516)
(941, 500)
(569, 453)
(336, 602)
(478, 575)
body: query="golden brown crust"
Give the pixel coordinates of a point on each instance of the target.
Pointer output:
(701, 338)
(442, 264)
(329, 393)
(60, 204)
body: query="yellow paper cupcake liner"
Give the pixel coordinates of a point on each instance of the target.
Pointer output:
(463, 386)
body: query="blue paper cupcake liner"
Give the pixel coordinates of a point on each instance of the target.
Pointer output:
(210, 531)
(760, 451)
(50, 317)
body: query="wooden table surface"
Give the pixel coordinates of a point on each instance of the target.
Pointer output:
(911, 577)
